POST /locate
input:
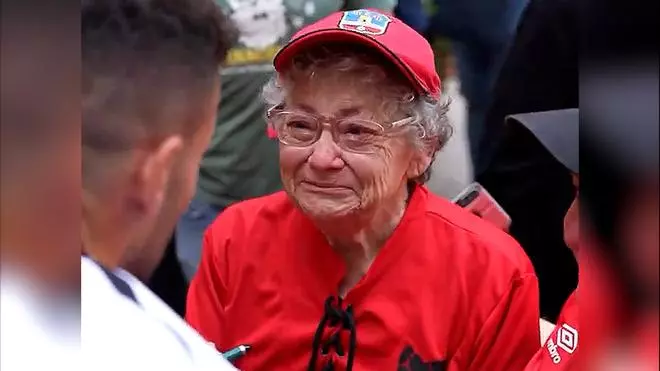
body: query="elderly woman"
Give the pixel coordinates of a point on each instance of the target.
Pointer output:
(356, 266)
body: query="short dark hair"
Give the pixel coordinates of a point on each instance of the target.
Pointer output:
(146, 63)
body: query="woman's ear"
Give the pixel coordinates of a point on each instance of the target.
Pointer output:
(420, 163)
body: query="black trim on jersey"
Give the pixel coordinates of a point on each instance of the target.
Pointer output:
(411, 361)
(125, 289)
(119, 284)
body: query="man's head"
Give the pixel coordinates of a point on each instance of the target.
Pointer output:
(150, 95)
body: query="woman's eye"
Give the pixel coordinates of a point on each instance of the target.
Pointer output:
(300, 125)
(359, 130)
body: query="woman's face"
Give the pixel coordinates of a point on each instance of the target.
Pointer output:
(328, 181)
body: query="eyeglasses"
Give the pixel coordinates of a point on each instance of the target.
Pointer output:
(302, 129)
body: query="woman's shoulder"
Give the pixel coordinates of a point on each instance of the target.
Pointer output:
(274, 202)
(264, 208)
(473, 238)
(249, 219)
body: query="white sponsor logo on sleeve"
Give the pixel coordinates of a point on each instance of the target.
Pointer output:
(566, 339)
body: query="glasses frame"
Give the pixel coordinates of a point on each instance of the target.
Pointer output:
(328, 122)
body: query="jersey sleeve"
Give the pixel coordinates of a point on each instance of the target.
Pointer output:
(207, 292)
(537, 363)
(558, 350)
(509, 338)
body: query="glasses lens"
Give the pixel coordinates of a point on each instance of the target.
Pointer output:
(359, 135)
(296, 129)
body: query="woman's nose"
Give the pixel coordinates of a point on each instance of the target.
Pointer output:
(325, 153)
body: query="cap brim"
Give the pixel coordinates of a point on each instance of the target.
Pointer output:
(558, 131)
(331, 35)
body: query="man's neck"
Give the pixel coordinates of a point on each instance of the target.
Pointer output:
(101, 250)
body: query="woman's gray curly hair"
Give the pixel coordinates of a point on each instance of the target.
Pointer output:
(429, 115)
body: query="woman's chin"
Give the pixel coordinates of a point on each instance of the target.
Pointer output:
(326, 209)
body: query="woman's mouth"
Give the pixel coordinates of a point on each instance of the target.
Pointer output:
(323, 187)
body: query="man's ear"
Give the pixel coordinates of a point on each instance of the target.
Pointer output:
(155, 171)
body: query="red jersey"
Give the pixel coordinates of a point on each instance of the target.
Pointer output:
(447, 291)
(559, 350)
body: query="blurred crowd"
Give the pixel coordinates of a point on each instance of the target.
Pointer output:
(247, 167)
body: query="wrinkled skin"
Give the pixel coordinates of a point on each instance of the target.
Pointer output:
(333, 185)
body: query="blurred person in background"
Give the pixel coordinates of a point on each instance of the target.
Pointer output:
(540, 74)
(356, 265)
(619, 95)
(242, 162)
(620, 232)
(558, 133)
(621, 187)
(150, 91)
(621, 203)
(480, 32)
(39, 188)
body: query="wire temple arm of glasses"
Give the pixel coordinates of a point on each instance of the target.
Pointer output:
(269, 112)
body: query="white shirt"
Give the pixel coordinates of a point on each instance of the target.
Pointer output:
(39, 330)
(121, 334)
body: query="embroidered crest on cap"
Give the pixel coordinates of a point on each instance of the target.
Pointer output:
(364, 21)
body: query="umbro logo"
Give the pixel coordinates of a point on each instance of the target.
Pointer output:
(567, 338)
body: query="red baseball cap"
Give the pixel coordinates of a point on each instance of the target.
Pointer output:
(403, 46)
